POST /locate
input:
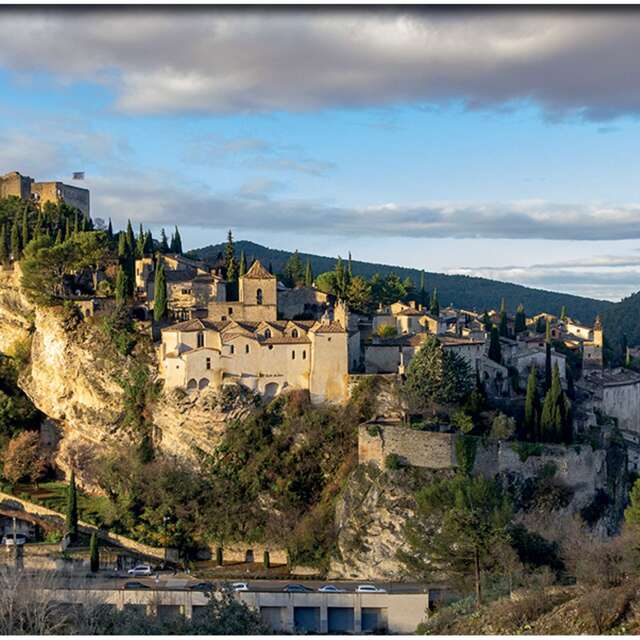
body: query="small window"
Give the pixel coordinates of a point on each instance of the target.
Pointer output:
(304, 354)
(294, 333)
(267, 333)
(328, 339)
(293, 355)
(246, 348)
(270, 347)
(259, 296)
(208, 363)
(230, 311)
(231, 348)
(200, 339)
(223, 318)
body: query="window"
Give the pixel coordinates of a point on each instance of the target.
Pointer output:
(270, 347)
(259, 296)
(230, 311)
(293, 355)
(200, 339)
(294, 333)
(186, 292)
(304, 354)
(208, 363)
(267, 333)
(246, 348)
(231, 349)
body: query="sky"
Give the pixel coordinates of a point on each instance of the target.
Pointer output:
(494, 142)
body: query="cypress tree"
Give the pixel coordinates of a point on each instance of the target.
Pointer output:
(148, 243)
(58, 239)
(486, 321)
(110, 230)
(423, 291)
(131, 239)
(503, 306)
(520, 323)
(67, 228)
(308, 274)
(340, 278)
(121, 286)
(94, 553)
(160, 293)
(177, 242)
(563, 314)
(270, 268)
(532, 408)
(164, 245)
(350, 269)
(76, 223)
(4, 247)
(26, 236)
(547, 358)
(242, 268)
(72, 509)
(434, 304)
(122, 247)
(503, 327)
(16, 247)
(140, 243)
(495, 352)
(555, 422)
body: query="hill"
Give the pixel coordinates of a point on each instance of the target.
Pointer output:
(462, 291)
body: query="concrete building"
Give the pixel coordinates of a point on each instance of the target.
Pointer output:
(26, 188)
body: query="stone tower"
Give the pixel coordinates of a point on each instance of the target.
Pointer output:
(257, 292)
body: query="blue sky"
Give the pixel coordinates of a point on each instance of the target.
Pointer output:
(501, 144)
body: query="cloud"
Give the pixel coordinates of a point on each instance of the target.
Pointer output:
(254, 153)
(569, 61)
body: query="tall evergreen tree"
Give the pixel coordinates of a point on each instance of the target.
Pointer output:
(495, 351)
(76, 222)
(121, 286)
(434, 304)
(140, 243)
(122, 247)
(520, 323)
(341, 285)
(270, 269)
(26, 236)
(164, 245)
(242, 267)
(503, 306)
(148, 243)
(110, 230)
(131, 239)
(67, 228)
(503, 327)
(423, 291)
(350, 267)
(5, 250)
(555, 420)
(308, 274)
(563, 313)
(160, 293)
(16, 246)
(548, 374)
(230, 259)
(532, 408)
(486, 321)
(72, 509)
(94, 553)
(177, 242)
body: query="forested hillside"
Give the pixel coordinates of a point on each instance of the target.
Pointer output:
(462, 291)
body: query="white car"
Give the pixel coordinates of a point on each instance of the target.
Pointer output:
(9, 541)
(369, 588)
(141, 570)
(239, 586)
(330, 588)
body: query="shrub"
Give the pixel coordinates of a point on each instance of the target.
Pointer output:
(466, 447)
(374, 430)
(393, 462)
(526, 450)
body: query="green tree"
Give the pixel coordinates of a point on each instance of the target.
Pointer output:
(422, 294)
(326, 282)
(359, 299)
(632, 512)
(486, 321)
(110, 230)
(176, 242)
(5, 250)
(437, 375)
(520, 322)
(532, 408)
(230, 259)
(495, 351)
(121, 286)
(164, 244)
(94, 553)
(457, 526)
(555, 419)
(26, 236)
(434, 304)
(16, 246)
(308, 274)
(160, 293)
(148, 243)
(563, 313)
(293, 273)
(503, 326)
(242, 268)
(131, 239)
(341, 279)
(140, 243)
(71, 525)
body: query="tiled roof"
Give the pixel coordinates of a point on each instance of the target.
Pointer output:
(329, 327)
(258, 272)
(286, 340)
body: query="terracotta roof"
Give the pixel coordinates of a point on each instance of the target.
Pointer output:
(197, 324)
(329, 327)
(286, 340)
(258, 272)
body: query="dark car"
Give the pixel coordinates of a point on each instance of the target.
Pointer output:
(201, 586)
(297, 588)
(135, 585)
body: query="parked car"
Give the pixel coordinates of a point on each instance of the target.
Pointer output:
(141, 570)
(369, 588)
(201, 586)
(297, 588)
(239, 586)
(132, 584)
(9, 541)
(331, 588)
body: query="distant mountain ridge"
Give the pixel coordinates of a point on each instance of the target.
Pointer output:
(467, 292)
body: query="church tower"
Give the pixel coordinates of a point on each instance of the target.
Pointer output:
(592, 351)
(258, 294)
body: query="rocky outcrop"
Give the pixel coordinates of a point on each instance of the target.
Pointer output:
(16, 313)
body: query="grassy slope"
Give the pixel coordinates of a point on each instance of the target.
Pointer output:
(462, 291)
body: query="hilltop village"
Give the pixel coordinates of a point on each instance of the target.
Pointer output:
(217, 407)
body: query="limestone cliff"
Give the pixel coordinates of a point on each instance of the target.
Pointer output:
(16, 313)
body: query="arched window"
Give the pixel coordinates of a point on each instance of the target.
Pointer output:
(259, 296)
(294, 333)
(267, 333)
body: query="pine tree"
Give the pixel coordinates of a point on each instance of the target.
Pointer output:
(16, 247)
(308, 274)
(25, 229)
(177, 242)
(72, 509)
(121, 286)
(94, 553)
(140, 244)
(434, 304)
(520, 323)
(242, 267)
(532, 408)
(160, 293)
(495, 351)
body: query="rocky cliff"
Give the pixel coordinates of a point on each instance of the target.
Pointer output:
(16, 313)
